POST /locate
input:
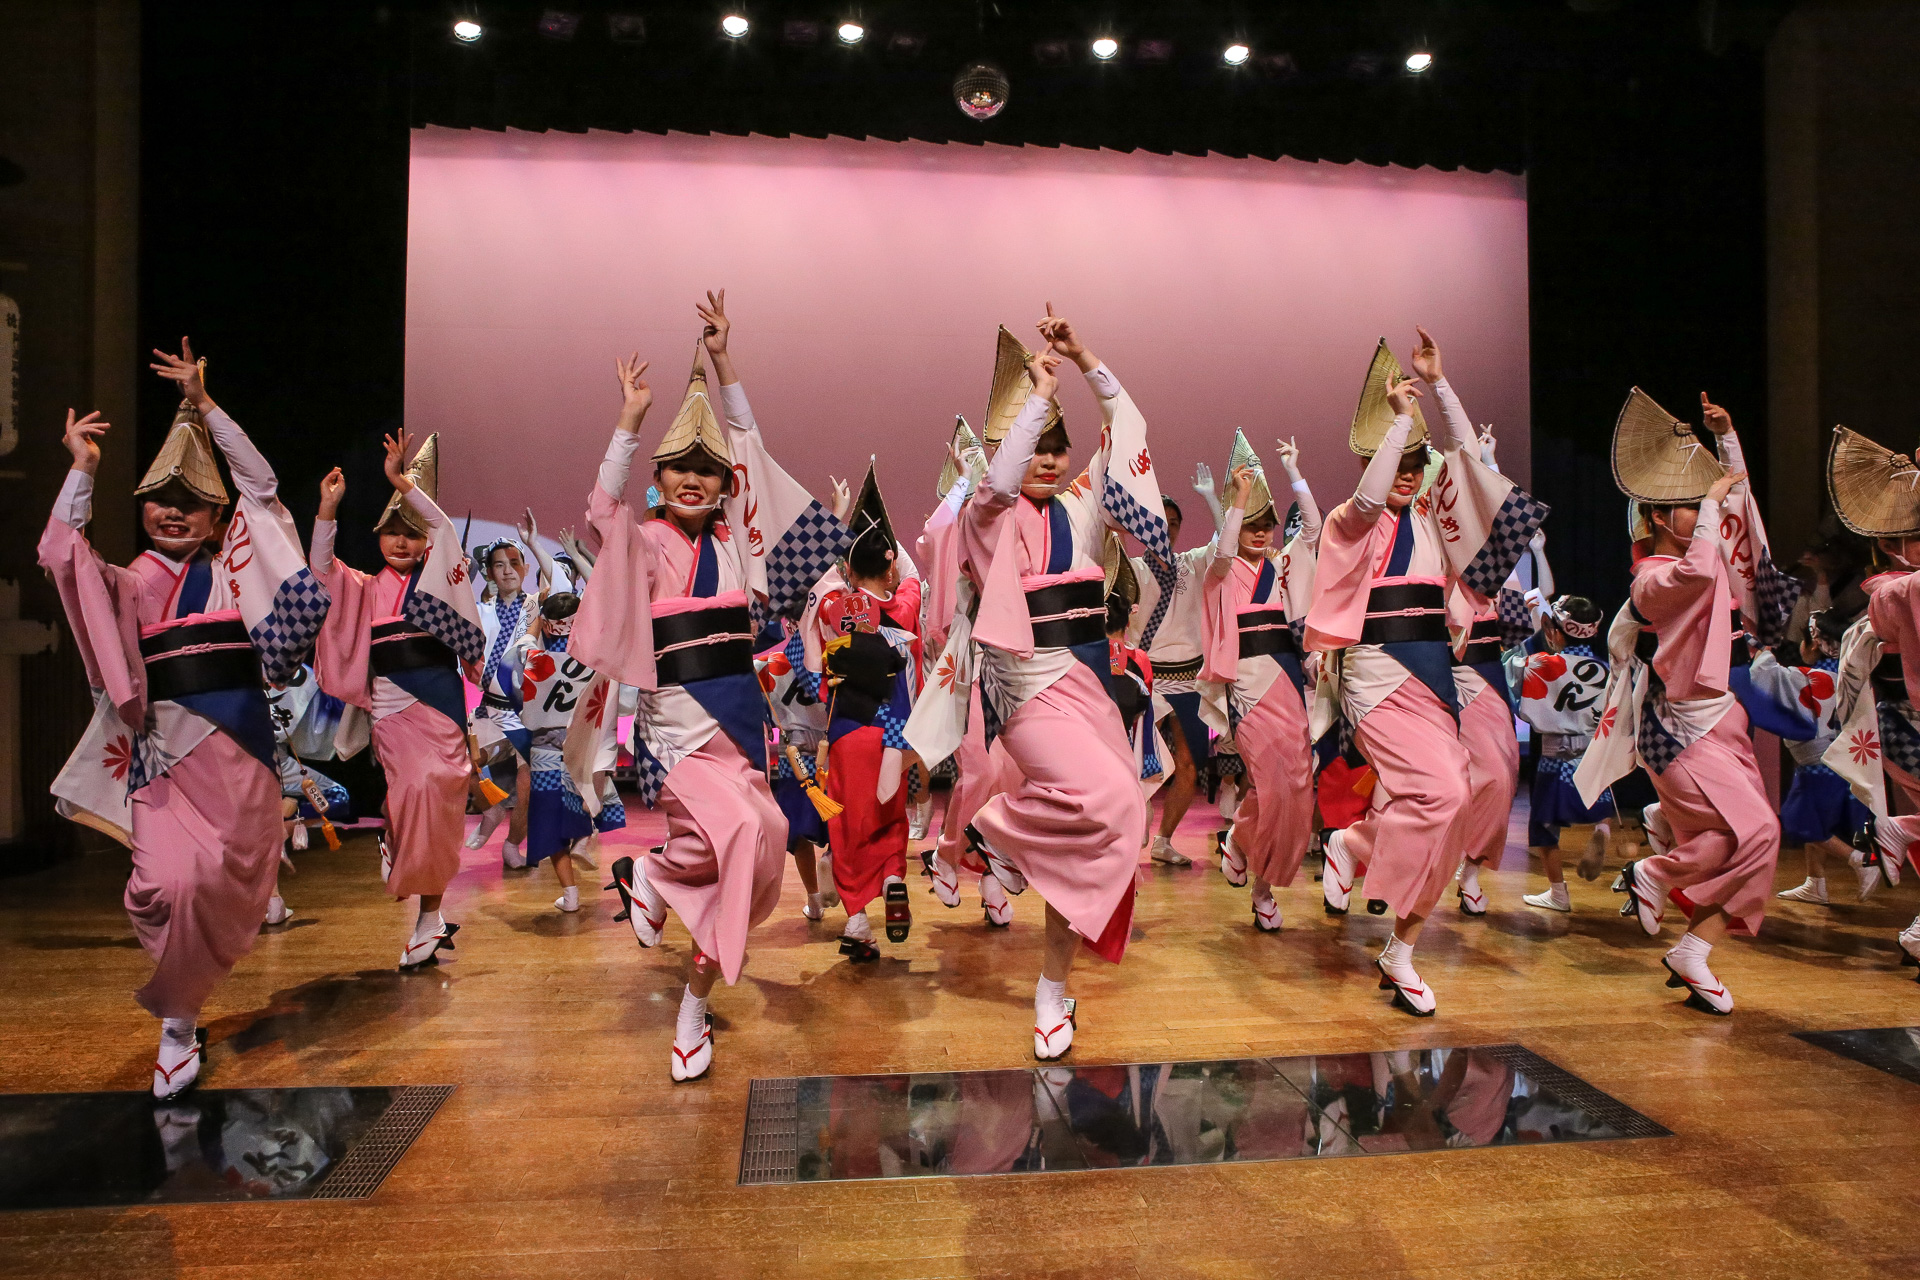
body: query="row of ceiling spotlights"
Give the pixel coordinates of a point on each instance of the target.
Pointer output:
(1105, 48)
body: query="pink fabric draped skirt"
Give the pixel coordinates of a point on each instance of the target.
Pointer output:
(726, 850)
(206, 841)
(980, 781)
(1072, 815)
(1493, 771)
(424, 756)
(1726, 837)
(1406, 841)
(1275, 819)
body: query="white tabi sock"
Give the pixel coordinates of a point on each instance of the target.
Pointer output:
(1397, 955)
(1049, 1000)
(572, 896)
(1693, 946)
(1470, 879)
(1262, 891)
(179, 1030)
(857, 927)
(423, 928)
(693, 1017)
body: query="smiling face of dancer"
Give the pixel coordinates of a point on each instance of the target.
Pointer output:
(1052, 456)
(178, 523)
(506, 571)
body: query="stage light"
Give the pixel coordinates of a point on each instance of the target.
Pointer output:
(1236, 54)
(1105, 47)
(851, 33)
(466, 31)
(1418, 62)
(981, 90)
(734, 25)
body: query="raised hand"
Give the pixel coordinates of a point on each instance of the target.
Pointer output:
(1058, 331)
(714, 316)
(1401, 396)
(1426, 357)
(1289, 454)
(396, 462)
(1040, 367)
(184, 371)
(528, 528)
(1488, 448)
(1724, 486)
(1717, 420)
(83, 440)
(333, 486)
(1202, 479)
(1240, 487)
(635, 395)
(842, 504)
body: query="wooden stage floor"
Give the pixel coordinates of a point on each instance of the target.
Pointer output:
(566, 1151)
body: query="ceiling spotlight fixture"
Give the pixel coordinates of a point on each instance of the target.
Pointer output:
(1236, 54)
(734, 25)
(851, 33)
(1105, 47)
(981, 90)
(1418, 62)
(466, 31)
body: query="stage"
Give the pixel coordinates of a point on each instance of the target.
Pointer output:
(564, 1150)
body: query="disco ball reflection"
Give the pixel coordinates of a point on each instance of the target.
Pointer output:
(981, 90)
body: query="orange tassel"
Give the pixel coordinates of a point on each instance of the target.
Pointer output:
(491, 794)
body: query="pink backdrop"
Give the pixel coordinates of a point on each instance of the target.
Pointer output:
(865, 280)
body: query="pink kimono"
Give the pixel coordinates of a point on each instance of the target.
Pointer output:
(1692, 736)
(668, 615)
(1072, 817)
(372, 657)
(192, 736)
(1392, 589)
(1893, 611)
(1250, 648)
(1486, 731)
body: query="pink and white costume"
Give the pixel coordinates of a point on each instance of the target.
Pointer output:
(375, 655)
(1669, 708)
(175, 652)
(668, 615)
(1252, 650)
(1072, 818)
(1389, 585)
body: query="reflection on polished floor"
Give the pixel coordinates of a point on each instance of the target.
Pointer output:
(1078, 1117)
(1895, 1050)
(82, 1150)
(567, 1152)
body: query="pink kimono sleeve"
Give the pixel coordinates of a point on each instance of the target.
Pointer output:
(1687, 601)
(613, 631)
(102, 604)
(1894, 611)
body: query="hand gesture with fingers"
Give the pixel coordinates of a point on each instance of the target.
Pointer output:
(396, 461)
(1717, 420)
(636, 397)
(1288, 452)
(1426, 357)
(1401, 396)
(842, 504)
(1058, 331)
(1202, 479)
(1040, 367)
(83, 440)
(1240, 487)
(333, 487)
(528, 528)
(1724, 486)
(714, 316)
(184, 371)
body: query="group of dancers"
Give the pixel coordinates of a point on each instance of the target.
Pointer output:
(1346, 681)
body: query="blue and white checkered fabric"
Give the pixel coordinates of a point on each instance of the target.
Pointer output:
(440, 620)
(652, 776)
(1149, 528)
(893, 725)
(1657, 746)
(1516, 620)
(549, 780)
(801, 555)
(285, 636)
(1899, 742)
(1775, 594)
(1513, 527)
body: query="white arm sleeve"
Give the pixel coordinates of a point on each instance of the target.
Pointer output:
(251, 474)
(618, 463)
(1377, 480)
(320, 553)
(74, 506)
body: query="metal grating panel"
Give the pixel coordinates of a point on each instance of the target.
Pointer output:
(1571, 1088)
(770, 1151)
(361, 1171)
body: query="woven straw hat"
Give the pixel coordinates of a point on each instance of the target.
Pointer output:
(187, 456)
(424, 471)
(968, 447)
(1011, 387)
(1374, 414)
(695, 426)
(1657, 458)
(1875, 491)
(1260, 501)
